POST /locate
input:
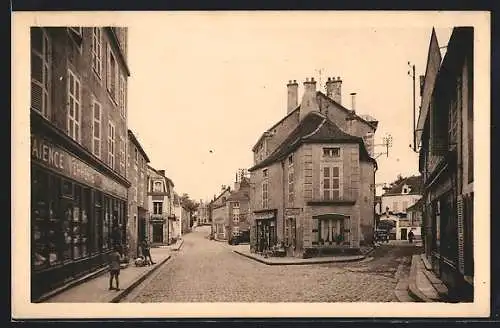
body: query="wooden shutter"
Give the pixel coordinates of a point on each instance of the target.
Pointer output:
(460, 223)
(439, 125)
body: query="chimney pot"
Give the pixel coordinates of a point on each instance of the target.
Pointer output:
(312, 79)
(294, 81)
(307, 79)
(290, 81)
(338, 78)
(329, 79)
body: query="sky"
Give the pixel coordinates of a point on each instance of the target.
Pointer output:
(202, 83)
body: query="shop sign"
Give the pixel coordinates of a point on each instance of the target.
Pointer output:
(54, 157)
(264, 215)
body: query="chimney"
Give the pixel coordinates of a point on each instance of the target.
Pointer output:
(293, 96)
(353, 102)
(309, 102)
(237, 183)
(334, 88)
(422, 79)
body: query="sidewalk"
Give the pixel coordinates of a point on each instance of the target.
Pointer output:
(244, 250)
(423, 285)
(96, 290)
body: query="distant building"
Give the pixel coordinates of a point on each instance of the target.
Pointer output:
(160, 190)
(202, 213)
(313, 176)
(395, 202)
(137, 173)
(238, 204)
(220, 214)
(446, 139)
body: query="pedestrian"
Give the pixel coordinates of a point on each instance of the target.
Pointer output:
(146, 252)
(410, 236)
(114, 268)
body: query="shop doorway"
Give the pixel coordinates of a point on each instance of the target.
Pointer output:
(404, 234)
(266, 234)
(158, 233)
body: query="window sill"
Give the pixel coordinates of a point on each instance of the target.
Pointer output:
(331, 202)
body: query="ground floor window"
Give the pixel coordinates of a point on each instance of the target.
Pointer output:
(291, 232)
(69, 221)
(266, 234)
(331, 231)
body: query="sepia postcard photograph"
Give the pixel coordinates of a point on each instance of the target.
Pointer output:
(250, 164)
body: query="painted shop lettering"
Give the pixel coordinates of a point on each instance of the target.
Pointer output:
(47, 154)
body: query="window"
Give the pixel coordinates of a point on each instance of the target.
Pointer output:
(236, 205)
(264, 173)
(395, 207)
(290, 180)
(73, 103)
(97, 51)
(405, 206)
(112, 74)
(265, 196)
(331, 152)
(123, 96)
(136, 153)
(331, 182)
(40, 71)
(236, 215)
(111, 145)
(122, 154)
(158, 187)
(96, 127)
(290, 232)
(157, 207)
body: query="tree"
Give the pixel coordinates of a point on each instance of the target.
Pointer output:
(190, 206)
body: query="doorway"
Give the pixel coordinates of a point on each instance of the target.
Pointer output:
(404, 234)
(157, 233)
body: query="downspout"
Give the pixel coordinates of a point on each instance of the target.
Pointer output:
(284, 195)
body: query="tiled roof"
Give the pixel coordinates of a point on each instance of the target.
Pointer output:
(417, 206)
(314, 128)
(138, 145)
(275, 125)
(414, 182)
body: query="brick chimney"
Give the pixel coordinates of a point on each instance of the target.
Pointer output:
(309, 102)
(334, 89)
(293, 96)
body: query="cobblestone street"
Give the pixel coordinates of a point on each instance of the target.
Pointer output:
(208, 271)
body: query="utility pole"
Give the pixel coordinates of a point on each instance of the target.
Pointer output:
(411, 73)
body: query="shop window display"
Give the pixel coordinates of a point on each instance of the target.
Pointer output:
(39, 217)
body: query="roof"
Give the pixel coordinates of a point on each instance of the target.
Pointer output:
(373, 124)
(222, 193)
(138, 145)
(241, 194)
(414, 182)
(314, 128)
(167, 178)
(275, 125)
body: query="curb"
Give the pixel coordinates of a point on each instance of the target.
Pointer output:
(180, 246)
(127, 290)
(413, 291)
(298, 263)
(72, 284)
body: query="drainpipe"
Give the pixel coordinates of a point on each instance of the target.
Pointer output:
(284, 195)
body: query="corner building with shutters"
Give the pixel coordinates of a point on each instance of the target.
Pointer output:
(78, 121)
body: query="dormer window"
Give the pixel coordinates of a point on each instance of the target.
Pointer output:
(406, 189)
(157, 187)
(331, 152)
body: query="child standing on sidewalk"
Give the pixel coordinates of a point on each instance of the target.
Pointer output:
(114, 268)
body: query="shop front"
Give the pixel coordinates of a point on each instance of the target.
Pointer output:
(159, 229)
(266, 234)
(77, 213)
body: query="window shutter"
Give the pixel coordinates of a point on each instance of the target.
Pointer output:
(439, 137)
(108, 68)
(460, 219)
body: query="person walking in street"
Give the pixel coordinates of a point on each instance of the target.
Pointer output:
(146, 251)
(410, 236)
(114, 268)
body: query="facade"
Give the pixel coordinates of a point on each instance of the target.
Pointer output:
(312, 183)
(220, 214)
(395, 202)
(445, 136)
(238, 204)
(161, 214)
(137, 167)
(415, 218)
(202, 213)
(78, 122)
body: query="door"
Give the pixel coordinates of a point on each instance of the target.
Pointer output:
(157, 233)
(404, 234)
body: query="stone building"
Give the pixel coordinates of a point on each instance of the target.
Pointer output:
(220, 214)
(238, 206)
(311, 183)
(160, 207)
(78, 123)
(396, 200)
(137, 173)
(445, 136)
